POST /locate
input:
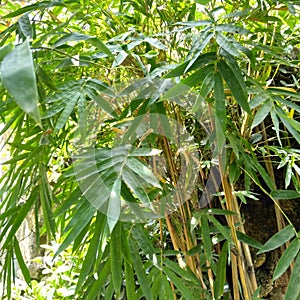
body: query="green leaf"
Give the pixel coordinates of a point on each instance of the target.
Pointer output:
(221, 272)
(292, 125)
(285, 194)
(156, 43)
(145, 152)
(100, 45)
(224, 231)
(21, 262)
(116, 258)
(293, 290)
(4, 50)
(226, 44)
(130, 282)
(140, 270)
(248, 240)
(17, 221)
(71, 37)
(25, 26)
(232, 28)
(144, 242)
(287, 258)
(119, 58)
(63, 118)
(236, 87)
(140, 169)
(92, 252)
(200, 62)
(80, 219)
(207, 243)
(185, 291)
(187, 83)
(276, 125)
(220, 101)
(100, 282)
(33, 7)
(205, 89)
(18, 77)
(105, 106)
(182, 273)
(278, 239)
(46, 201)
(114, 205)
(262, 113)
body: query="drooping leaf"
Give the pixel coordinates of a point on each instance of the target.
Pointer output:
(226, 44)
(188, 83)
(185, 291)
(18, 77)
(116, 258)
(220, 104)
(205, 89)
(140, 270)
(21, 262)
(248, 240)
(262, 113)
(236, 88)
(200, 62)
(286, 258)
(114, 204)
(221, 272)
(278, 239)
(293, 290)
(285, 194)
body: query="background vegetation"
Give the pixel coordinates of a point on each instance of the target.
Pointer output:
(76, 73)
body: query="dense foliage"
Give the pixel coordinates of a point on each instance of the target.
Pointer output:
(136, 131)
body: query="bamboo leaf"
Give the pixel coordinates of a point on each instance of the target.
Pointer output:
(182, 273)
(145, 152)
(100, 282)
(18, 77)
(130, 282)
(293, 290)
(285, 194)
(236, 88)
(221, 272)
(187, 83)
(287, 258)
(140, 270)
(205, 89)
(142, 171)
(248, 240)
(116, 258)
(105, 106)
(71, 37)
(63, 118)
(21, 262)
(262, 113)
(207, 243)
(278, 239)
(220, 102)
(114, 205)
(100, 45)
(186, 292)
(92, 251)
(17, 221)
(200, 62)
(226, 44)
(220, 227)
(78, 222)
(25, 26)
(232, 28)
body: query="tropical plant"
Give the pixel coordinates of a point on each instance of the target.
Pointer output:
(141, 133)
